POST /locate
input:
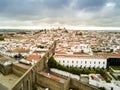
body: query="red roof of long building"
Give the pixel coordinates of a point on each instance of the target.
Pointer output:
(33, 57)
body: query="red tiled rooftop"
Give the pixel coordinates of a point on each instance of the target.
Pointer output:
(109, 55)
(60, 52)
(79, 56)
(33, 57)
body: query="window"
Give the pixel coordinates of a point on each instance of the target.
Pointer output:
(72, 61)
(67, 61)
(90, 62)
(63, 61)
(85, 62)
(99, 62)
(94, 62)
(81, 62)
(76, 61)
(103, 62)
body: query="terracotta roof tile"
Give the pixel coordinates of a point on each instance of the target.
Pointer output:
(33, 57)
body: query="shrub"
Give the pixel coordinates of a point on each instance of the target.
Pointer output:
(102, 88)
(1, 38)
(40, 46)
(105, 75)
(113, 76)
(52, 63)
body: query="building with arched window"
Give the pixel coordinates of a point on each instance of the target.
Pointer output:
(81, 61)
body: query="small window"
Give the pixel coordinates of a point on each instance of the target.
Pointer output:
(90, 62)
(99, 62)
(94, 62)
(76, 61)
(72, 61)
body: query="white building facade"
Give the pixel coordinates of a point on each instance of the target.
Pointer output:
(82, 62)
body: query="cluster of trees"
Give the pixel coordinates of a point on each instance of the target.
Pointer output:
(18, 56)
(21, 32)
(1, 34)
(79, 33)
(1, 38)
(116, 67)
(102, 88)
(11, 34)
(96, 51)
(105, 75)
(113, 76)
(52, 63)
(118, 77)
(111, 72)
(40, 46)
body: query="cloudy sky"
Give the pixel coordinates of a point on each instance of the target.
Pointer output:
(102, 13)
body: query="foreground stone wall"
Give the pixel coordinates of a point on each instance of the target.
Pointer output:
(18, 70)
(5, 70)
(81, 86)
(39, 88)
(3, 87)
(46, 82)
(67, 84)
(49, 83)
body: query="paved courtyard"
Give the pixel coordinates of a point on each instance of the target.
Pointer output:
(8, 80)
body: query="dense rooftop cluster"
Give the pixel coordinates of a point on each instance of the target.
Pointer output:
(25, 46)
(70, 42)
(76, 50)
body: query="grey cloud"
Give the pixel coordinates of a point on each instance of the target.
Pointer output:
(52, 11)
(90, 5)
(28, 6)
(50, 7)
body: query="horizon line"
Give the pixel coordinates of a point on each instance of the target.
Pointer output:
(61, 27)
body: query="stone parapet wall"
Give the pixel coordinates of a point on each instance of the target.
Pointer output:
(49, 83)
(18, 70)
(5, 70)
(75, 84)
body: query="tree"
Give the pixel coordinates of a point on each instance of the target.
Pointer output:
(40, 46)
(19, 56)
(102, 88)
(1, 38)
(52, 63)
